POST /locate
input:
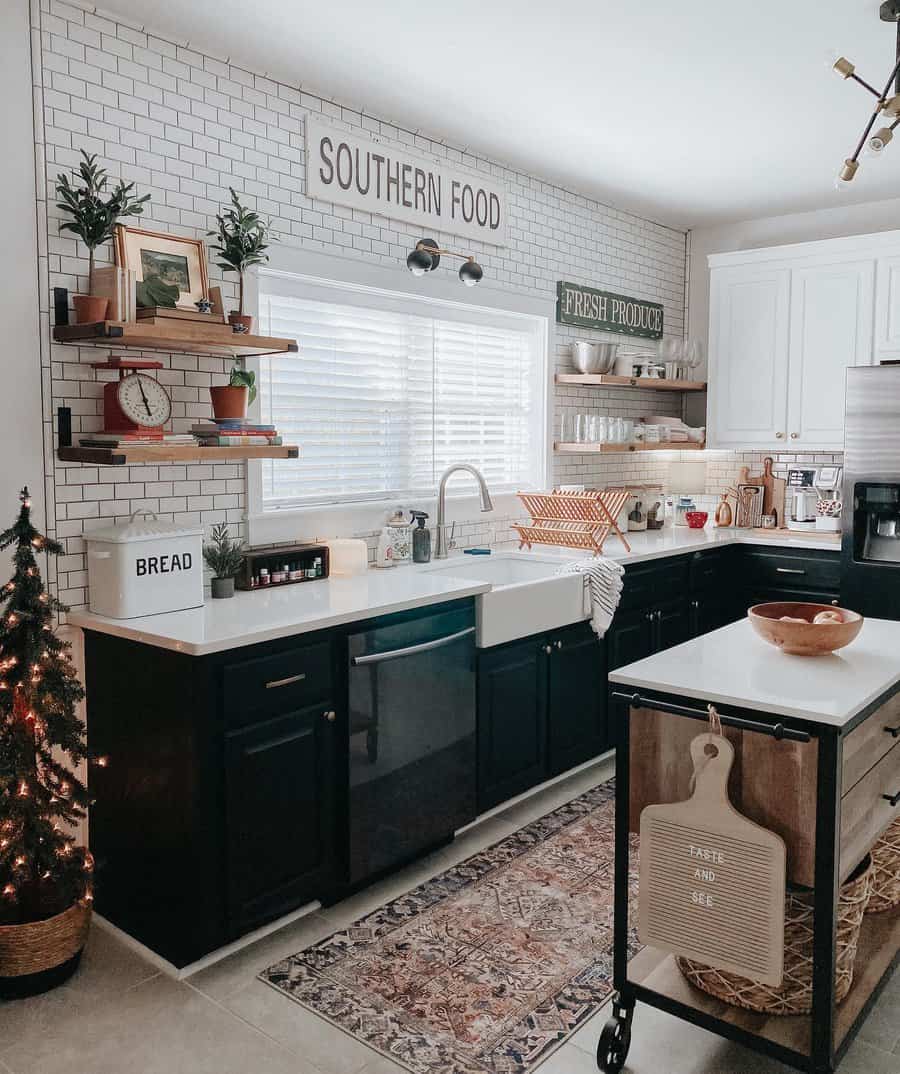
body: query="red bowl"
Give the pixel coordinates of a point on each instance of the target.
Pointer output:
(696, 520)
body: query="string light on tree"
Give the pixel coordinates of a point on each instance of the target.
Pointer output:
(42, 741)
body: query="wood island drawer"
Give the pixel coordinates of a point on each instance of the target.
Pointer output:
(797, 570)
(270, 685)
(867, 744)
(867, 810)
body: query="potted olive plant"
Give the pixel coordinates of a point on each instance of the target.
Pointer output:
(242, 236)
(230, 401)
(93, 217)
(224, 558)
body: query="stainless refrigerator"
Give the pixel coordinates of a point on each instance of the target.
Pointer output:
(870, 541)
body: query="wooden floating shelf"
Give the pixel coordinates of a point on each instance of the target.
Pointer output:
(619, 449)
(167, 334)
(137, 453)
(608, 380)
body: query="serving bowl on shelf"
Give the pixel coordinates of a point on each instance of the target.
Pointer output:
(803, 638)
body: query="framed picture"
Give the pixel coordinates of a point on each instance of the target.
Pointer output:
(175, 260)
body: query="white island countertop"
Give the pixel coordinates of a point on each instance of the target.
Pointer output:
(263, 615)
(734, 666)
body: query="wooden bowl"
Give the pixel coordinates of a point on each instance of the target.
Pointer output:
(803, 639)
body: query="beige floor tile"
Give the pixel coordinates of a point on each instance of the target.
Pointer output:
(158, 1027)
(234, 972)
(299, 1030)
(863, 1058)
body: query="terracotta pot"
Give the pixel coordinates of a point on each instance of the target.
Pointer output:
(241, 318)
(229, 402)
(39, 955)
(89, 309)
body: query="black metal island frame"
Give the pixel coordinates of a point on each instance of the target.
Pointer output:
(819, 746)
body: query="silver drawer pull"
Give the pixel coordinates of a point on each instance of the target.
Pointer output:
(894, 799)
(411, 650)
(275, 683)
(789, 570)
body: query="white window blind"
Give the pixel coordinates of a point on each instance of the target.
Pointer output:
(388, 390)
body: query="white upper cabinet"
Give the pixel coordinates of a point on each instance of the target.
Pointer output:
(748, 349)
(831, 329)
(785, 324)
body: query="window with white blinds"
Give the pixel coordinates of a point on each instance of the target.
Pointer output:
(387, 390)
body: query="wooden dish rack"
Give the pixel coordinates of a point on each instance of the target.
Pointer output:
(572, 519)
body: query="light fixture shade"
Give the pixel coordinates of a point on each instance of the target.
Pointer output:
(419, 262)
(843, 67)
(876, 143)
(470, 272)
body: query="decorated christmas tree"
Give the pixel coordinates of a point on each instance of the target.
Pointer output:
(42, 871)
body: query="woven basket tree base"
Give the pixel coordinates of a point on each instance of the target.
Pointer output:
(794, 996)
(886, 871)
(41, 954)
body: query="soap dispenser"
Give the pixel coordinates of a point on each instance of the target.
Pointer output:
(421, 539)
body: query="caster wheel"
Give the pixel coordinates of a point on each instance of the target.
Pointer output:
(615, 1040)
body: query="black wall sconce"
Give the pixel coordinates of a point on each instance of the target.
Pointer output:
(427, 256)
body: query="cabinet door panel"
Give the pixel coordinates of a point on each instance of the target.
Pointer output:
(672, 625)
(279, 788)
(749, 334)
(576, 709)
(887, 308)
(629, 638)
(831, 329)
(512, 720)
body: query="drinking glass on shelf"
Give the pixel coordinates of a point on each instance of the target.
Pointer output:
(694, 353)
(566, 428)
(581, 430)
(627, 430)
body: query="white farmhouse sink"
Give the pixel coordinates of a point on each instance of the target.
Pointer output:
(527, 595)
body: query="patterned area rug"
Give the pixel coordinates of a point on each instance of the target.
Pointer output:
(486, 968)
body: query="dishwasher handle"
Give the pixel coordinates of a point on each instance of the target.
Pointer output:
(411, 650)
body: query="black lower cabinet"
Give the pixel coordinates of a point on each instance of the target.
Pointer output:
(541, 710)
(709, 612)
(576, 691)
(629, 638)
(512, 720)
(672, 622)
(280, 808)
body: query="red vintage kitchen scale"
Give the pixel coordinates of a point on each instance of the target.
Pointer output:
(135, 405)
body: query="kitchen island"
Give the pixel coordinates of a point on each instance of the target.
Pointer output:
(817, 748)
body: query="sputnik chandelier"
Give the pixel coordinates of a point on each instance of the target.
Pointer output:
(887, 107)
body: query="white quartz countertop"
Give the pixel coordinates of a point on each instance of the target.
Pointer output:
(734, 666)
(251, 617)
(248, 618)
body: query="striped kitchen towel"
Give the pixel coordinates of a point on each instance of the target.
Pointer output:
(603, 582)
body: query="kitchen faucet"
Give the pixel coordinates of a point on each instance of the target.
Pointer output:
(441, 542)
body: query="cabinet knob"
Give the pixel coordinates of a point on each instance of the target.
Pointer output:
(835, 603)
(559, 645)
(794, 436)
(331, 715)
(779, 436)
(548, 649)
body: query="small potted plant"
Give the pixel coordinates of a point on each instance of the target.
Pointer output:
(93, 220)
(224, 558)
(242, 236)
(230, 401)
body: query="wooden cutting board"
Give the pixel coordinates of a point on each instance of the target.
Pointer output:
(712, 882)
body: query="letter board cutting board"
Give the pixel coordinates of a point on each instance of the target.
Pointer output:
(712, 882)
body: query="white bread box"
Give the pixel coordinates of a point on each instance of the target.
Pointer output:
(144, 567)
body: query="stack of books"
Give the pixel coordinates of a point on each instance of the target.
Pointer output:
(235, 433)
(114, 440)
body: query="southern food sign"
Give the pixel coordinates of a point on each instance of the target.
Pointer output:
(347, 169)
(589, 308)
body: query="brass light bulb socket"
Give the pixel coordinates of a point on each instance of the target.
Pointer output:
(883, 135)
(892, 106)
(849, 169)
(844, 67)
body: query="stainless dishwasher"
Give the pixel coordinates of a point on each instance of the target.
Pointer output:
(412, 736)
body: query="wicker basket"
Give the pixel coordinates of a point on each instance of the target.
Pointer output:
(886, 871)
(42, 945)
(794, 996)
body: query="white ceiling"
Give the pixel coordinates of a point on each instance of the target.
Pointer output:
(692, 112)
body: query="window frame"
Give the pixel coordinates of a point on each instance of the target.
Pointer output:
(396, 289)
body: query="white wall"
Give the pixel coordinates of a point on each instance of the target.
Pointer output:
(21, 436)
